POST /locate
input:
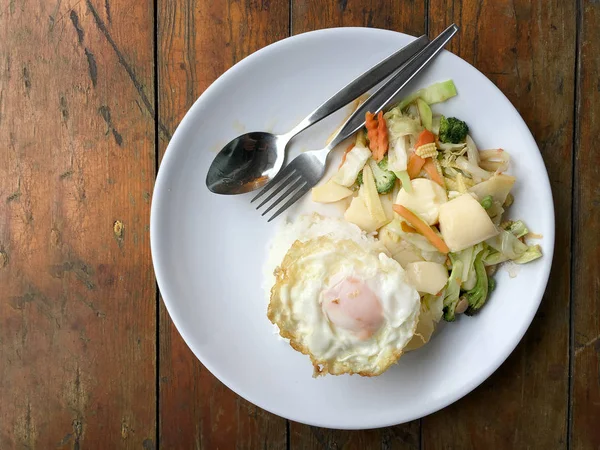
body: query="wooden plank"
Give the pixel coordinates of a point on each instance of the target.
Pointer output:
(527, 49)
(585, 433)
(197, 42)
(408, 17)
(77, 292)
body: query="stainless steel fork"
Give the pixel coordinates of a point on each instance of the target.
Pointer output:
(305, 171)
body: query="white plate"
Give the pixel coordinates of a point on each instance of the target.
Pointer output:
(208, 250)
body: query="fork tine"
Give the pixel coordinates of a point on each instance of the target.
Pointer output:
(291, 188)
(294, 176)
(283, 175)
(303, 190)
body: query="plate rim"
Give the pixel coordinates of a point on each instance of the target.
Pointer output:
(162, 281)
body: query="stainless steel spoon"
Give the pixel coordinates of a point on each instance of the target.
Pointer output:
(251, 160)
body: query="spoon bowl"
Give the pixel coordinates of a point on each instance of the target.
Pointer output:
(247, 163)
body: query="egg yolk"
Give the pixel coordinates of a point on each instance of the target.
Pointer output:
(351, 305)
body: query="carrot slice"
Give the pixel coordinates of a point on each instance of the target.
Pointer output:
(350, 147)
(378, 135)
(426, 137)
(371, 126)
(382, 138)
(422, 228)
(433, 173)
(415, 164)
(407, 228)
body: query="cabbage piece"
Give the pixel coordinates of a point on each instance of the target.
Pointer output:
(405, 181)
(413, 112)
(354, 163)
(495, 213)
(435, 124)
(467, 256)
(400, 249)
(516, 227)
(498, 186)
(425, 114)
(507, 244)
(416, 239)
(453, 289)
(427, 251)
(399, 126)
(479, 293)
(431, 313)
(361, 138)
(476, 172)
(472, 152)
(456, 149)
(397, 155)
(493, 257)
(494, 160)
(533, 252)
(436, 93)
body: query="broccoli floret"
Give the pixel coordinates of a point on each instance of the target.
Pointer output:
(384, 179)
(383, 164)
(478, 295)
(453, 130)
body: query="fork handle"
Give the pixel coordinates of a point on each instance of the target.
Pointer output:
(393, 86)
(362, 84)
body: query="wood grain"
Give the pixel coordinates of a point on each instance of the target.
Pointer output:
(78, 355)
(528, 50)
(197, 42)
(586, 251)
(77, 295)
(407, 17)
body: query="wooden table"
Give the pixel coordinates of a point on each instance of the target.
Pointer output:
(91, 92)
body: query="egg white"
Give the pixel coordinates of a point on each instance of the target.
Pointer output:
(307, 270)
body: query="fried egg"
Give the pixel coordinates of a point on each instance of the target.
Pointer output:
(343, 301)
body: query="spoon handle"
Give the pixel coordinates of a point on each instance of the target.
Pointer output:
(390, 90)
(362, 84)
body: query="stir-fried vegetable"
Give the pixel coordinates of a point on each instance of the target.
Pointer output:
(436, 93)
(377, 133)
(422, 227)
(353, 163)
(415, 164)
(478, 295)
(453, 130)
(372, 200)
(433, 173)
(487, 202)
(461, 229)
(425, 114)
(350, 147)
(384, 179)
(517, 228)
(452, 289)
